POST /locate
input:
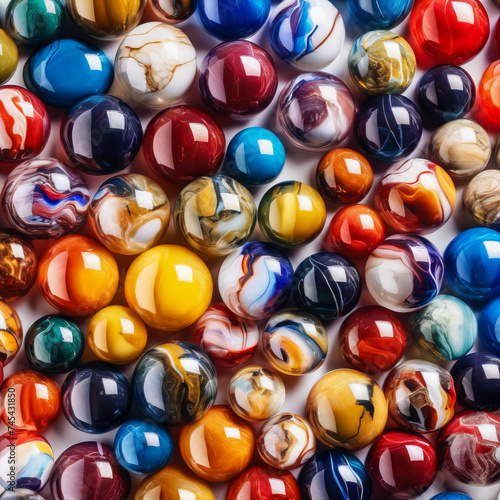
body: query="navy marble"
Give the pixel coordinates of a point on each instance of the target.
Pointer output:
(378, 14)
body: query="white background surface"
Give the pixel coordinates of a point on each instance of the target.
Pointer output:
(299, 166)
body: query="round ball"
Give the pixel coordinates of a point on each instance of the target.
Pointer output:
(376, 14)
(172, 11)
(9, 57)
(11, 334)
(481, 199)
(489, 326)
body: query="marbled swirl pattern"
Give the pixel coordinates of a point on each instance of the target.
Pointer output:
(11, 334)
(481, 199)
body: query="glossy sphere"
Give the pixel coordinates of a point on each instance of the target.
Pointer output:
(415, 197)
(480, 199)
(286, 441)
(129, 214)
(355, 231)
(388, 127)
(255, 280)
(451, 495)
(488, 92)
(449, 31)
(21, 494)
(404, 273)
(182, 143)
(473, 264)
(316, 111)
(446, 328)
(372, 339)
(169, 287)
(54, 344)
(18, 266)
(378, 14)
(11, 334)
(156, 65)
(172, 12)
(308, 34)
(207, 444)
(344, 176)
(143, 447)
(291, 214)
(332, 475)
(238, 79)
(489, 326)
(117, 335)
(84, 461)
(382, 62)
(327, 285)
(25, 122)
(295, 342)
(37, 401)
(260, 483)
(215, 215)
(9, 57)
(401, 465)
(228, 339)
(256, 393)
(445, 92)
(45, 199)
(87, 71)
(77, 275)
(101, 135)
(175, 383)
(255, 156)
(346, 408)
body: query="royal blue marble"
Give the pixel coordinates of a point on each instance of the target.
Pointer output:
(378, 14)
(489, 326)
(65, 71)
(451, 495)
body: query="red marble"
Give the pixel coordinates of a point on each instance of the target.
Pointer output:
(489, 93)
(238, 79)
(184, 142)
(497, 33)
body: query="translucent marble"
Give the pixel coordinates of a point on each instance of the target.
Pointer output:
(11, 333)
(378, 14)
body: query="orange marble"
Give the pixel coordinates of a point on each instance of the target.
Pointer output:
(11, 333)
(489, 92)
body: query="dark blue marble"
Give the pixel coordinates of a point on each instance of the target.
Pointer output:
(65, 71)
(489, 326)
(378, 14)
(451, 495)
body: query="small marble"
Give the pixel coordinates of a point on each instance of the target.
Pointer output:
(481, 199)
(9, 57)
(11, 335)
(172, 11)
(489, 326)
(378, 14)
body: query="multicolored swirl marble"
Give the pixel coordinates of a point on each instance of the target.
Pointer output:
(481, 199)
(11, 334)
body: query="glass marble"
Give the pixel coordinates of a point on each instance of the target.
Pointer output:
(228, 339)
(372, 339)
(18, 266)
(54, 344)
(256, 393)
(77, 275)
(307, 34)
(87, 71)
(489, 326)
(286, 441)
(9, 57)
(74, 467)
(480, 199)
(446, 328)
(255, 280)
(355, 231)
(401, 465)
(143, 447)
(344, 176)
(20, 494)
(45, 199)
(11, 334)
(489, 94)
(169, 287)
(294, 342)
(117, 335)
(378, 14)
(473, 264)
(332, 475)
(207, 445)
(451, 495)
(101, 135)
(215, 214)
(156, 65)
(387, 127)
(404, 273)
(347, 408)
(415, 197)
(238, 79)
(291, 214)
(37, 401)
(25, 122)
(254, 157)
(175, 383)
(182, 143)
(382, 62)
(33, 23)
(449, 31)
(445, 92)
(327, 285)
(172, 12)
(315, 111)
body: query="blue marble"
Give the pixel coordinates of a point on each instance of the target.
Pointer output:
(472, 264)
(334, 475)
(378, 14)
(387, 127)
(232, 19)
(254, 157)
(489, 326)
(65, 71)
(451, 495)
(143, 447)
(477, 381)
